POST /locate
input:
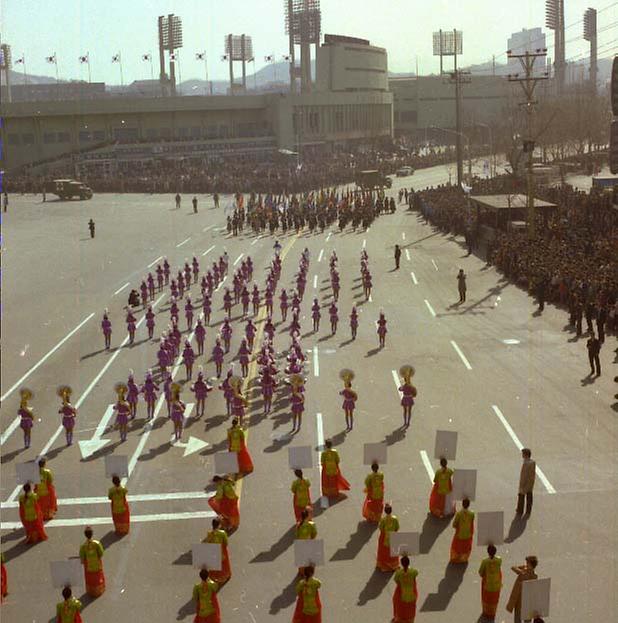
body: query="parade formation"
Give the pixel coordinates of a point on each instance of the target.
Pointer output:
(239, 378)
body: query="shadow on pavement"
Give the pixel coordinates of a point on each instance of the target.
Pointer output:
(375, 585)
(110, 539)
(449, 585)
(432, 529)
(186, 610)
(285, 599)
(517, 528)
(276, 549)
(184, 559)
(356, 542)
(397, 435)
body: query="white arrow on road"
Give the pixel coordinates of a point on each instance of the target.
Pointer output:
(194, 444)
(90, 446)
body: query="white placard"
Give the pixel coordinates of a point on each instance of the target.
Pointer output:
(535, 598)
(308, 552)
(464, 484)
(375, 453)
(207, 555)
(67, 573)
(490, 528)
(27, 472)
(446, 445)
(405, 543)
(226, 463)
(117, 465)
(300, 457)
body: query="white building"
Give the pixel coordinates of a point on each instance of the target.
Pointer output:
(526, 40)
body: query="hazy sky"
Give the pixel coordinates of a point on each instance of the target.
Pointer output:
(38, 28)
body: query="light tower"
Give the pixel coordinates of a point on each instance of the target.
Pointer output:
(170, 39)
(554, 19)
(303, 22)
(590, 34)
(238, 48)
(5, 67)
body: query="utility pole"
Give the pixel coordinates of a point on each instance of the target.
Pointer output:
(528, 84)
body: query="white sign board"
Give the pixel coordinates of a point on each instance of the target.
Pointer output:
(226, 463)
(117, 465)
(446, 445)
(300, 457)
(308, 552)
(27, 472)
(464, 484)
(375, 453)
(490, 528)
(207, 555)
(535, 598)
(67, 573)
(405, 543)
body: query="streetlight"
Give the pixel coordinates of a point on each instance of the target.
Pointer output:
(435, 127)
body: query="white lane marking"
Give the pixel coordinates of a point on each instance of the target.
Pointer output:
(221, 284)
(155, 261)
(403, 235)
(256, 240)
(427, 464)
(183, 242)
(315, 282)
(90, 446)
(238, 259)
(121, 288)
(321, 255)
(208, 228)
(208, 250)
(370, 299)
(461, 355)
(83, 397)
(408, 255)
(99, 521)
(397, 382)
(364, 242)
(316, 362)
(320, 427)
(430, 308)
(144, 497)
(330, 233)
(414, 278)
(510, 342)
(520, 445)
(15, 423)
(434, 264)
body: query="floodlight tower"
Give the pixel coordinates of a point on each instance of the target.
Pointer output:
(5, 67)
(303, 21)
(238, 48)
(170, 39)
(554, 19)
(590, 34)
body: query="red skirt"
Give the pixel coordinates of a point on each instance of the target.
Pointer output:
(5, 584)
(48, 503)
(301, 617)
(437, 502)
(122, 521)
(332, 485)
(227, 509)
(386, 562)
(489, 600)
(215, 617)
(245, 464)
(372, 509)
(221, 577)
(76, 619)
(35, 530)
(460, 549)
(95, 582)
(403, 611)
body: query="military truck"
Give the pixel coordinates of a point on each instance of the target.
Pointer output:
(370, 180)
(67, 189)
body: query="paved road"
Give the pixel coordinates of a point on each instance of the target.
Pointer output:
(490, 369)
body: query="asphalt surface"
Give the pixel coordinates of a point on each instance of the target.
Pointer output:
(491, 355)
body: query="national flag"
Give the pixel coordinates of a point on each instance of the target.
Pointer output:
(116, 58)
(269, 59)
(200, 56)
(225, 57)
(146, 57)
(51, 59)
(287, 58)
(173, 56)
(20, 61)
(84, 59)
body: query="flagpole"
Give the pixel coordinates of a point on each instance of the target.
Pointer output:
(56, 65)
(23, 57)
(88, 63)
(206, 74)
(151, 70)
(120, 65)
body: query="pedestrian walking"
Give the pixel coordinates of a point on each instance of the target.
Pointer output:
(461, 285)
(26, 415)
(178, 411)
(308, 605)
(31, 515)
(305, 531)
(123, 410)
(382, 330)
(524, 573)
(527, 477)
(91, 227)
(219, 536)
(225, 502)
(68, 412)
(491, 582)
(374, 494)
(349, 397)
(301, 490)
(91, 554)
(461, 545)
(5, 201)
(594, 349)
(406, 593)
(68, 611)
(121, 514)
(333, 481)
(388, 524)
(46, 491)
(177, 201)
(442, 486)
(397, 256)
(236, 442)
(106, 326)
(408, 393)
(205, 597)
(194, 202)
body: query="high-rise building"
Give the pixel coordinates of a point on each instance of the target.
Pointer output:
(526, 40)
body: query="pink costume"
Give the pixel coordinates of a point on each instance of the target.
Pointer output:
(189, 313)
(269, 329)
(226, 334)
(106, 326)
(150, 389)
(188, 358)
(162, 356)
(178, 416)
(206, 308)
(69, 413)
(151, 285)
(250, 332)
(187, 275)
(200, 336)
(200, 388)
(349, 399)
(228, 391)
(407, 400)
(132, 394)
(382, 326)
(159, 276)
(167, 392)
(150, 322)
(131, 326)
(166, 270)
(298, 403)
(196, 269)
(227, 302)
(123, 411)
(217, 356)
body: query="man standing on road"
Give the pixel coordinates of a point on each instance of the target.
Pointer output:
(194, 202)
(5, 201)
(91, 227)
(177, 201)
(526, 482)
(397, 256)
(524, 573)
(594, 348)
(461, 285)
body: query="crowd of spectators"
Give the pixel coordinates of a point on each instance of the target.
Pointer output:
(572, 260)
